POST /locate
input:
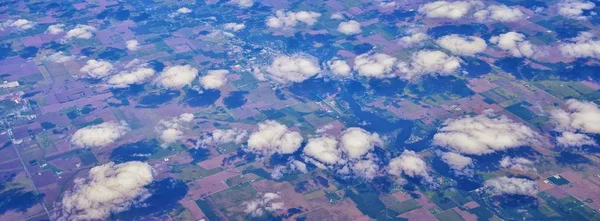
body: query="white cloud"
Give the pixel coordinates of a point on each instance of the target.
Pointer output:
(81, 31)
(284, 19)
(514, 43)
(579, 117)
(214, 79)
(291, 167)
(501, 13)
(574, 8)
(374, 65)
(460, 164)
(56, 29)
(484, 134)
(184, 10)
(452, 10)
(325, 150)
(235, 27)
(293, 69)
(585, 45)
(21, 24)
(96, 68)
(242, 3)
(339, 68)
(126, 78)
(518, 163)
(108, 189)
(337, 16)
(171, 131)
(511, 186)
(177, 76)
(357, 142)
(273, 137)
(132, 45)
(219, 136)
(270, 202)
(59, 57)
(349, 27)
(410, 164)
(467, 46)
(413, 39)
(99, 135)
(427, 62)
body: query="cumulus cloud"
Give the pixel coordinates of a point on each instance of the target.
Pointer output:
(324, 149)
(579, 118)
(126, 78)
(484, 134)
(108, 189)
(219, 136)
(514, 43)
(270, 202)
(283, 19)
(81, 31)
(20, 24)
(349, 27)
(59, 57)
(518, 164)
(585, 45)
(410, 164)
(510, 186)
(374, 65)
(99, 135)
(97, 69)
(445, 9)
(427, 62)
(501, 13)
(171, 131)
(235, 27)
(242, 3)
(184, 10)
(337, 16)
(413, 39)
(273, 137)
(214, 79)
(460, 164)
(56, 29)
(466, 46)
(356, 142)
(291, 167)
(177, 76)
(339, 68)
(574, 8)
(293, 69)
(132, 45)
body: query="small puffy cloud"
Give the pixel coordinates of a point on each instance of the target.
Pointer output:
(270, 202)
(324, 149)
(574, 8)
(214, 79)
(510, 186)
(349, 27)
(283, 19)
(99, 135)
(501, 13)
(126, 78)
(427, 62)
(177, 76)
(108, 189)
(357, 142)
(219, 136)
(59, 57)
(96, 69)
(21, 24)
(585, 45)
(56, 29)
(570, 139)
(514, 43)
(242, 3)
(484, 134)
(339, 68)
(374, 65)
(273, 137)
(132, 45)
(413, 39)
(410, 164)
(184, 10)
(81, 31)
(292, 166)
(337, 16)
(445, 9)
(578, 119)
(293, 69)
(466, 46)
(518, 163)
(235, 27)
(460, 164)
(171, 131)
